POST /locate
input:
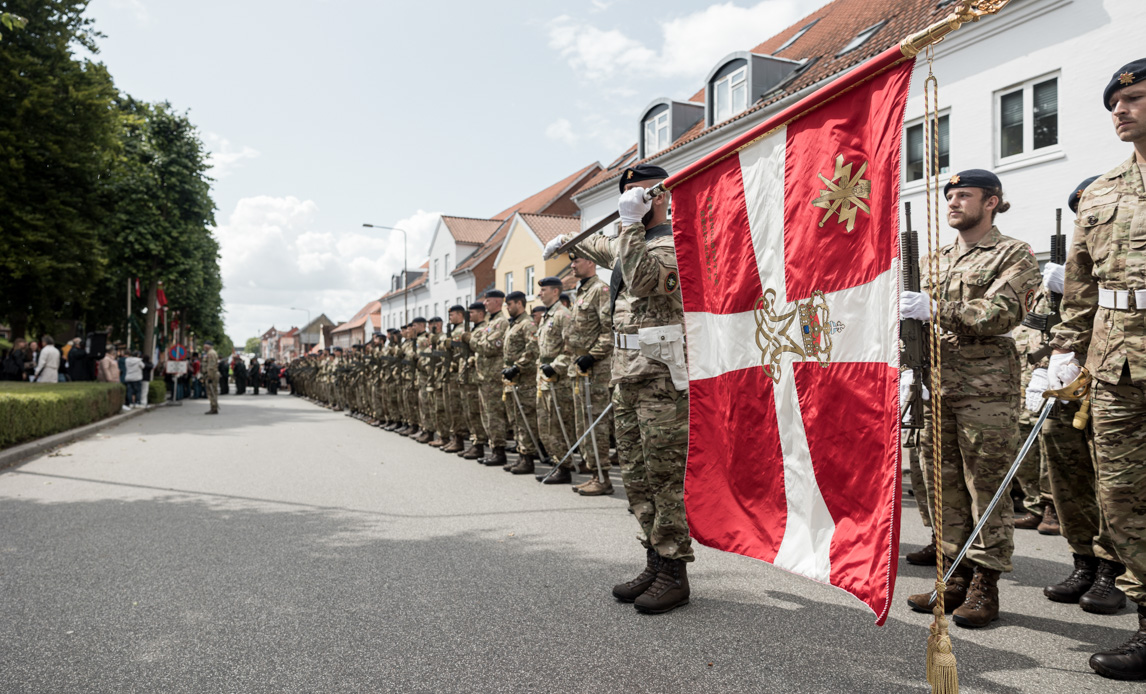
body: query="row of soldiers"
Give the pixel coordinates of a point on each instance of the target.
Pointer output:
(491, 372)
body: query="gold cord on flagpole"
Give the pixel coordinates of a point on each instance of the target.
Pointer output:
(941, 671)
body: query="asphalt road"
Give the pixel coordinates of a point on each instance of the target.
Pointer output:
(282, 547)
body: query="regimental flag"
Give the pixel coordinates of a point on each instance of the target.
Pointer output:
(786, 241)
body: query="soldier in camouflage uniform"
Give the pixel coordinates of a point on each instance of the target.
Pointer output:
(987, 282)
(556, 427)
(406, 366)
(520, 379)
(469, 379)
(422, 369)
(1104, 301)
(391, 356)
(651, 414)
(1032, 474)
(441, 369)
(456, 352)
(589, 337)
(489, 343)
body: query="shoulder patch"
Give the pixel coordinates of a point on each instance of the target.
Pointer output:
(1029, 300)
(671, 282)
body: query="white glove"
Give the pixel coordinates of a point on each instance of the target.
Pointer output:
(552, 246)
(1038, 384)
(1063, 369)
(916, 305)
(1053, 277)
(633, 206)
(906, 378)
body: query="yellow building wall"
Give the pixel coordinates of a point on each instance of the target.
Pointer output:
(521, 251)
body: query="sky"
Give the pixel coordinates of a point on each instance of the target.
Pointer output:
(322, 115)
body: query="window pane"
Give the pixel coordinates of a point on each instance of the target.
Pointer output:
(1046, 113)
(650, 137)
(723, 107)
(739, 98)
(1011, 122)
(944, 146)
(913, 167)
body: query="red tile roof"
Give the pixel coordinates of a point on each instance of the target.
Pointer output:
(470, 230)
(548, 227)
(839, 22)
(359, 318)
(539, 202)
(491, 245)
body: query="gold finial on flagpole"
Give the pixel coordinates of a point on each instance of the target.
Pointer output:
(965, 11)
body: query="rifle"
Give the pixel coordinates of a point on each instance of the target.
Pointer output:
(914, 345)
(1043, 322)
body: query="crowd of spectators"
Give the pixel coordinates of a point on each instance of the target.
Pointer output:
(43, 362)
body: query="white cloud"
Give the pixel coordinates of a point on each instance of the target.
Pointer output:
(136, 7)
(224, 158)
(274, 255)
(562, 131)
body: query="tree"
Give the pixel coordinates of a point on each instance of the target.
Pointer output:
(57, 140)
(253, 346)
(225, 347)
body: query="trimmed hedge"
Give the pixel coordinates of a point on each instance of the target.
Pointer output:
(33, 410)
(156, 392)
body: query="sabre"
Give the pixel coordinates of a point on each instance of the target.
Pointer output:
(656, 191)
(512, 387)
(592, 432)
(570, 451)
(1075, 391)
(560, 419)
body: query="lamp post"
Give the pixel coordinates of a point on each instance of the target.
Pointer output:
(301, 344)
(405, 290)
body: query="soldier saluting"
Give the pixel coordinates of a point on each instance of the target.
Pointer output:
(986, 282)
(1104, 325)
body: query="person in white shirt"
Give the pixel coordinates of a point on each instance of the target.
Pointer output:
(133, 378)
(48, 365)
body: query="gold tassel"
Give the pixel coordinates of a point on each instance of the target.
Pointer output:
(941, 672)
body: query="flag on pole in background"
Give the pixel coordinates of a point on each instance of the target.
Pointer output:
(136, 287)
(786, 241)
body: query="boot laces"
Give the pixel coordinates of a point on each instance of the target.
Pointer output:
(1103, 584)
(665, 580)
(1136, 642)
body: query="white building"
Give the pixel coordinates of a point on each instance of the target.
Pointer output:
(454, 241)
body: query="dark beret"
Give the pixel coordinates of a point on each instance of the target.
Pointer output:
(477, 306)
(436, 319)
(565, 298)
(549, 282)
(355, 346)
(457, 307)
(515, 296)
(419, 319)
(495, 294)
(337, 349)
(378, 333)
(973, 178)
(1076, 193)
(641, 172)
(393, 331)
(1128, 74)
(539, 309)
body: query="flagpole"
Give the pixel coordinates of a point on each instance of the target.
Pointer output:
(129, 314)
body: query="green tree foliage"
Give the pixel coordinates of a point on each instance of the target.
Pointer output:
(58, 138)
(253, 346)
(12, 22)
(225, 347)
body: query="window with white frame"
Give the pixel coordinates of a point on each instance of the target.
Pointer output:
(529, 282)
(436, 309)
(508, 282)
(1026, 119)
(449, 267)
(730, 94)
(914, 166)
(437, 271)
(656, 133)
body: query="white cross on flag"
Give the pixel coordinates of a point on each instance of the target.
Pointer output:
(786, 241)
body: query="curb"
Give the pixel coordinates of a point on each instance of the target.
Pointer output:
(24, 451)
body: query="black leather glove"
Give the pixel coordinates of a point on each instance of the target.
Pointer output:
(586, 362)
(510, 373)
(548, 370)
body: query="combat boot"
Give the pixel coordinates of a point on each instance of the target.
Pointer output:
(982, 604)
(474, 452)
(923, 557)
(496, 457)
(1128, 661)
(424, 437)
(524, 466)
(953, 597)
(455, 445)
(1104, 597)
(595, 488)
(668, 591)
(406, 430)
(631, 590)
(562, 476)
(1028, 521)
(1077, 583)
(437, 441)
(1049, 524)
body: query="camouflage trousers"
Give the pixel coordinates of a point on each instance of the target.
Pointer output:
(456, 408)
(492, 410)
(524, 426)
(425, 407)
(919, 489)
(598, 401)
(1119, 416)
(441, 413)
(212, 388)
(1032, 475)
(549, 431)
(471, 402)
(410, 398)
(652, 441)
(979, 440)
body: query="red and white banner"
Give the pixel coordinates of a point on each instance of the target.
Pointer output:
(786, 242)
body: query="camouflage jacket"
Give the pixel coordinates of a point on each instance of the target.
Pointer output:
(984, 292)
(1029, 341)
(489, 343)
(650, 296)
(590, 328)
(210, 369)
(467, 357)
(551, 344)
(521, 347)
(1108, 251)
(409, 361)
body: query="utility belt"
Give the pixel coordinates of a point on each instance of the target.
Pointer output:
(625, 341)
(664, 344)
(1122, 299)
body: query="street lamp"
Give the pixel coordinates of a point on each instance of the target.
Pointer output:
(405, 264)
(302, 344)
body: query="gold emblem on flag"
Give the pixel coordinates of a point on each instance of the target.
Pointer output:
(773, 332)
(845, 194)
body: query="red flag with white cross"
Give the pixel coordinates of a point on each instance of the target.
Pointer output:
(786, 241)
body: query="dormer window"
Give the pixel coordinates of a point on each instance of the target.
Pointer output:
(861, 38)
(731, 94)
(656, 132)
(796, 36)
